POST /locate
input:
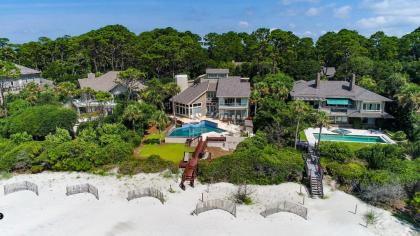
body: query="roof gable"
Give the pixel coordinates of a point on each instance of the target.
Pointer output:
(233, 87)
(105, 82)
(191, 94)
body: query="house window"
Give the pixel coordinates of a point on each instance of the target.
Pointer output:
(371, 106)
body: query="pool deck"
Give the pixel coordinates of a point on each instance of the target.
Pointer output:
(233, 129)
(363, 132)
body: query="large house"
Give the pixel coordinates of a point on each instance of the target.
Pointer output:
(27, 75)
(214, 94)
(344, 102)
(105, 83)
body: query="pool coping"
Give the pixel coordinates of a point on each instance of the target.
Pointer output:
(360, 132)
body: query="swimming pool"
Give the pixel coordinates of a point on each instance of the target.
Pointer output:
(350, 138)
(195, 129)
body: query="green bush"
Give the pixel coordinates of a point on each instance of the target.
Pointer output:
(71, 156)
(17, 106)
(348, 173)
(153, 164)
(37, 169)
(336, 151)
(19, 138)
(19, 157)
(39, 121)
(115, 152)
(254, 162)
(379, 156)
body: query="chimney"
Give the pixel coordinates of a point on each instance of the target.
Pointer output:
(91, 75)
(352, 81)
(318, 80)
(182, 81)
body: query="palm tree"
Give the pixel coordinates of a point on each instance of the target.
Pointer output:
(132, 114)
(322, 120)
(409, 96)
(160, 119)
(299, 109)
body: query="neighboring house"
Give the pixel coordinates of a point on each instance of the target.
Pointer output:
(106, 83)
(216, 94)
(344, 102)
(27, 75)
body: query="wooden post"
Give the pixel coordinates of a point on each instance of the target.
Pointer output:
(202, 197)
(355, 209)
(303, 200)
(300, 190)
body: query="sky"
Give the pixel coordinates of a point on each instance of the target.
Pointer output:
(27, 20)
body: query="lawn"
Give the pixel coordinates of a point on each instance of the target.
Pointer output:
(169, 151)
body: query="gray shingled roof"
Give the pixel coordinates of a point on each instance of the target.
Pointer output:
(233, 87)
(27, 71)
(105, 82)
(333, 89)
(212, 87)
(191, 94)
(217, 71)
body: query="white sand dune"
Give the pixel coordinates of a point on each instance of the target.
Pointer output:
(54, 213)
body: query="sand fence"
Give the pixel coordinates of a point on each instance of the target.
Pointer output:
(209, 205)
(82, 188)
(25, 185)
(146, 192)
(285, 206)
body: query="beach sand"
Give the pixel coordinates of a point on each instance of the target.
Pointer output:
(54, 213)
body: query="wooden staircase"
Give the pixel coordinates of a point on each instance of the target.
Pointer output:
(314, 174)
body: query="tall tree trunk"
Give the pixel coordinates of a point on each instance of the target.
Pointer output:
(296, 132)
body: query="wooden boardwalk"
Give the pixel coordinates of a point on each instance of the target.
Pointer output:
(314, 173)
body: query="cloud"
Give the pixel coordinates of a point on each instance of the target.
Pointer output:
(243, 24)
(313, 11)
(342, 12)
(390, 15)
(292, 26)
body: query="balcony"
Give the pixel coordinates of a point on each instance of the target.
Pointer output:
(233, 105)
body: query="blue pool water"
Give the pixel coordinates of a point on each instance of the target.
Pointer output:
(195, 129)
(350, 138)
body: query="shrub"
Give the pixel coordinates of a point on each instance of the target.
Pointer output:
(39, 121)
(349, 173)
(379, 156)
(114, 152)
(37, 169)
(17, 106)
(254, 162)
(370, 218)
(336, 151)
(60, 136)
(71, 156)
(243, 195)
(19, 138)
(153, 164)
(20, 157)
